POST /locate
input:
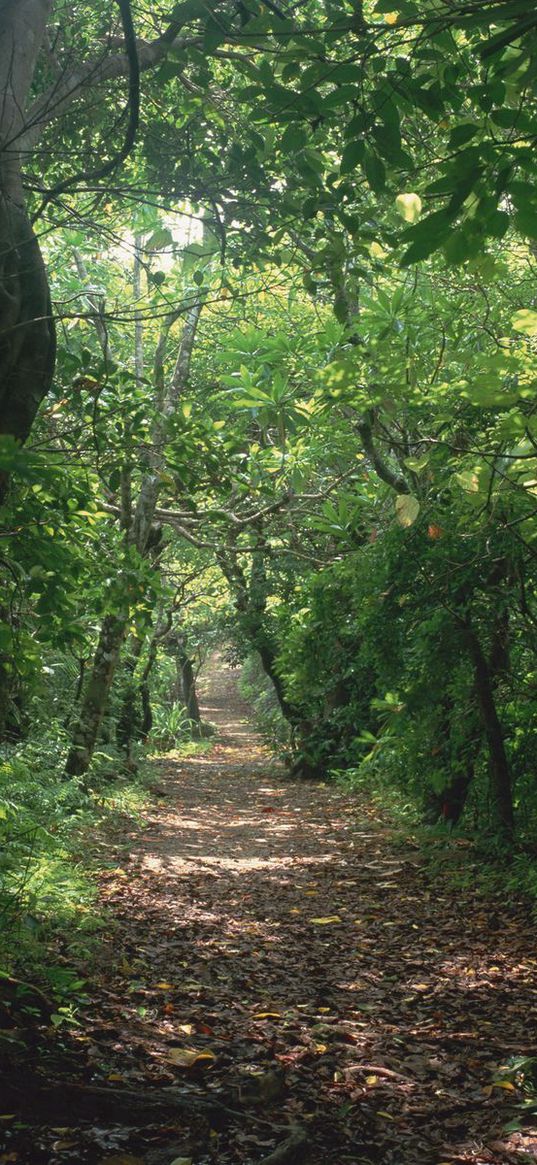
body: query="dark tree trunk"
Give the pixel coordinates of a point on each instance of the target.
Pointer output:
(449, 804)
(189, 694)
(129, 720)
(96, 696)
(499, 771)
(268, 660)
(147, 712)
(27, 335)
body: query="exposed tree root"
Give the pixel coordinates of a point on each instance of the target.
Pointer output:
(122, 1105)
(289, 1150)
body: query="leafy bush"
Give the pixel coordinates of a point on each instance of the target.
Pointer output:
(171, 726)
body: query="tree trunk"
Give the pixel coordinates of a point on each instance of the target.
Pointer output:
(96, 695)
(129, 721)
(500, 774)
(190, 696)
(268, 660)
(27, 338)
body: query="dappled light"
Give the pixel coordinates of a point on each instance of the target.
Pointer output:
(268, 547)
(389, 1007)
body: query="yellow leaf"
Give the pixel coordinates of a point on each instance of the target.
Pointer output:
(187, 1057)
(408, 206)
(321, 1049)
(116, 1076)
(525, 321)
(186, 1028)
(164, 986)
(121, 1159)
(391, 17)
(420, 986)
(387, 1115)
(377, 252)
(407, 508)
(326, 921)
(267, 1015)
(323, 1010)
(504, 1084)
(371, 1079)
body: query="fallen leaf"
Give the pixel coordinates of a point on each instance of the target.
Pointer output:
(267, 1015)
(121, 1159)
(330, 918)
(187, 1057)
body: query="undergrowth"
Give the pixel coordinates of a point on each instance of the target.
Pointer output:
(466, 856)
(48, 890)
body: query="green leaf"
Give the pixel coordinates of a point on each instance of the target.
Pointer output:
(462, 134)
(525, 221)
(352, 155)
(293, 139)
(375, 171)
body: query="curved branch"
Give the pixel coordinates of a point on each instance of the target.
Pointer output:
(381, 467)
(133, 107)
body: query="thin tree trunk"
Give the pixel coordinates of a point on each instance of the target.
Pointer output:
(499, 771)
(128, 720)
(189, 694)
(96, 695)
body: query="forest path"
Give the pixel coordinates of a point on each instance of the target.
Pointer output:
(283, 928)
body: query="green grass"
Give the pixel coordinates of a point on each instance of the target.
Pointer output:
(54, 839)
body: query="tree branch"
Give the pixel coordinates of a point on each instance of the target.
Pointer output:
(133, 107)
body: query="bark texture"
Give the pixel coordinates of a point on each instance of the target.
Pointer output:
(499, 769)
(27, 338)
(96, 695)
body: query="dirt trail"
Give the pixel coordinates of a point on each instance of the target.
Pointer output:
(279, 927)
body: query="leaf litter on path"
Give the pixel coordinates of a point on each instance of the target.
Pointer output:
(377, 1026)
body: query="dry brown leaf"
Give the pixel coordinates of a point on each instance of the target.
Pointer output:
(187, 1057)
